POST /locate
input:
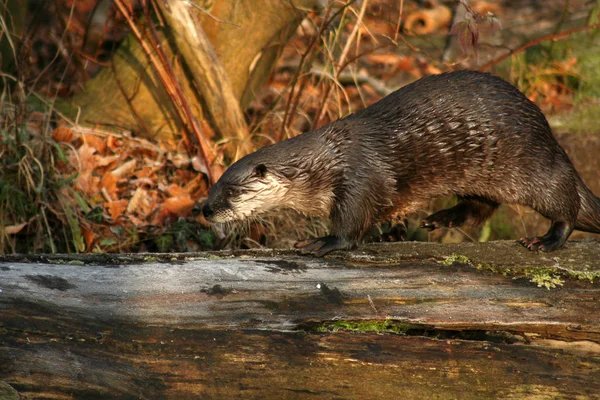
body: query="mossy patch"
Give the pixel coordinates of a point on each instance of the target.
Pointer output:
(542, 276)
(455, 258)
(386, 326)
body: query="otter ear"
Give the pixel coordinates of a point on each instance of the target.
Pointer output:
(260, 170)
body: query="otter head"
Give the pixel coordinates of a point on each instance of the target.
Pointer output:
(248, 188)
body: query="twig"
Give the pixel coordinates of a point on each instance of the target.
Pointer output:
(400, 15)
(343, 62)
(292, 103)
(353, 34)
(555, 36)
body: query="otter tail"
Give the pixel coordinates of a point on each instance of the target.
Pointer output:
(588, 219)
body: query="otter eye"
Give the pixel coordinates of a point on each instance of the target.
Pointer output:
(232, 192)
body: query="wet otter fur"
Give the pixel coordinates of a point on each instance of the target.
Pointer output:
(462, 133)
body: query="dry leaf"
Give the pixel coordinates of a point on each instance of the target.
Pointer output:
(199, 165)
(62, 134)
(87, 183)
(14, 229)
(174, 190)
(216, 171)
(94, 141)
(179, 160)
(107, 160)
(113, 143)
(116, 208)
(87, 157)
(136, 200)
(385, 58)
(126, 169)
(179, 205)
(109, 183)
(89, 237)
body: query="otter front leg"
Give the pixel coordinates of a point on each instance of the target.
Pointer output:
(323, 245)
(471, 210)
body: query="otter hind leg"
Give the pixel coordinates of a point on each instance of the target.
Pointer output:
(469, 210)
(323, 245)
(556, 236)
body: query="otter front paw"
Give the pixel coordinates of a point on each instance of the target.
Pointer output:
(323, 245)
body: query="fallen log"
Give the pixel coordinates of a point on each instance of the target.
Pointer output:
(480, 320)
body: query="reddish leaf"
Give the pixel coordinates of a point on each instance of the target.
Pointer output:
(467, 33)
(179, 205)
(62, 134)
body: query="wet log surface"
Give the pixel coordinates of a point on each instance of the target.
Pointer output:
(418, 319)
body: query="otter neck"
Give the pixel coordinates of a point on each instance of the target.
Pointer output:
(317, 167)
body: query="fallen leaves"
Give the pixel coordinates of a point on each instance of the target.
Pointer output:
(137, 184)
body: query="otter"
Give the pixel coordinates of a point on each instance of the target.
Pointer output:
(463, 133)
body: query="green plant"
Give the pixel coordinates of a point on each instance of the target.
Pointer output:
(39, 212)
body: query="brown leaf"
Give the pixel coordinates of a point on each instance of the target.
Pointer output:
(174, 190)
(86, 158)
(87, 183)
(94, 141)
(116, 208)
(107, 160)
(113, 143)
(89, 237)
(125, 170)
(62, 134)
(109, 183)
(179, 205)
(136, 200)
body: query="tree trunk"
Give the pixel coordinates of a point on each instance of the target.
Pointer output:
(233, 59)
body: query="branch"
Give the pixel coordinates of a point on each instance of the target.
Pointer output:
(556, 36)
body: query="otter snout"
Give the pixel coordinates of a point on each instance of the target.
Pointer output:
(207, 212)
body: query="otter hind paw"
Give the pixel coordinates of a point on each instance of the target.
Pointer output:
(557, 236)
(323, 245)
(540, 243)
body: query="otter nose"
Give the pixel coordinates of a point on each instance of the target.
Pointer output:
(207, 211)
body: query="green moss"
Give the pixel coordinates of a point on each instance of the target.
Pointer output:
(455, 258)
(386, 326)
(585, 275)
(544, 277)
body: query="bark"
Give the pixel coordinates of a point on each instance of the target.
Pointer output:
(258, 323)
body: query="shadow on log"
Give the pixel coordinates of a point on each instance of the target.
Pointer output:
(424, 320)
